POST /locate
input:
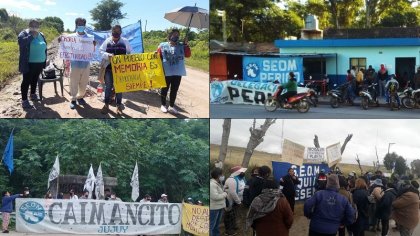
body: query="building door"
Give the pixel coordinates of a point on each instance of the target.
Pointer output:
(314, 67)
(404, 69)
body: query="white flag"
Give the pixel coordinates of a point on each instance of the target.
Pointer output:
(90, 182)
(99, 182)
(135, 184)
(220, 13)
(55, 171)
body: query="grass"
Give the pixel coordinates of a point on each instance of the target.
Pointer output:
(235, 155)
(9, 60)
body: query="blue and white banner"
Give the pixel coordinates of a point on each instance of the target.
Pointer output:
(53, 216)
(241, 92)
(131, 32)
(269, 69)
(306, 174)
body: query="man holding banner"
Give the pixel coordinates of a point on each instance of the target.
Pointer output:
(112, 46)
(78, 48)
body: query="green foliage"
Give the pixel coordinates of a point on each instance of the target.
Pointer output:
(55, 22)
(107, 12)
(400, 163)
(9, 60)
(415, 167)
(7, 34)
(172, 154)
(4, 16)
(198, 43)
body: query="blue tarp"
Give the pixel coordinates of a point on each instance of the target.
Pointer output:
(132, 32)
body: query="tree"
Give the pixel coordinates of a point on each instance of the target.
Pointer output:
(225, 139)
(4, 16)
(257, 137)
(55, 22)
(400, 163)
(415, 166)
(106, 12)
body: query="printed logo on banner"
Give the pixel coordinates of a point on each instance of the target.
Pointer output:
(216, 89)
(252, 70)
(32, 212)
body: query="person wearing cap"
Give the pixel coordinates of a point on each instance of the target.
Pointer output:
(289, 183)
(234, 186)
(32, 59)
(321, 180)
(327, 209)
(217, 200)
(405, 210)
(163, 198)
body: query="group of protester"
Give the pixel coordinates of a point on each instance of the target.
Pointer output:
(33, 59)
(339, 203)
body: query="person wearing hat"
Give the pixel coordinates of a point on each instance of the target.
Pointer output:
(289, 183)
(321, 180)
(234, 186)
(327, 209)
(163, 198)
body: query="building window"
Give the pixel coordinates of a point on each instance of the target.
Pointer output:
(358, 63)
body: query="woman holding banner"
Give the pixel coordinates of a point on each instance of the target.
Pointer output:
(32, 59)
(112, 46)
(173, 53)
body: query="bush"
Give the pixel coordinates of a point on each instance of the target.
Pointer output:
(8, 34)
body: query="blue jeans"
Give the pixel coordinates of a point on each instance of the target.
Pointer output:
(381, 85)
(215, 218)
(109, 84)
(396, 98)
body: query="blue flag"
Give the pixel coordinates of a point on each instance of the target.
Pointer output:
(131, 32)
(8, 154)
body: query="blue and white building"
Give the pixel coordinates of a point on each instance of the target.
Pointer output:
(334, 57)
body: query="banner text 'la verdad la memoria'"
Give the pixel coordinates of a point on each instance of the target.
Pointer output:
(134, 72)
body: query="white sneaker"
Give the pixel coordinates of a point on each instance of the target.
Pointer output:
(163, 109)
(173, 110)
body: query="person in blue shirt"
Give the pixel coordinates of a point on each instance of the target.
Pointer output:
(7, 208)
(32, 59)
(80, 70)
(327, 210)
(173, 54)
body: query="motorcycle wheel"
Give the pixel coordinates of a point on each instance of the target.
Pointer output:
(364, 103)
(271, 104)
(334, 102)
(314, 100)
(303, 106)
(408, 102)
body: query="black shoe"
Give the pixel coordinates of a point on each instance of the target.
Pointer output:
(6, 231)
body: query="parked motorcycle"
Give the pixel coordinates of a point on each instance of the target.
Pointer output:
(298, 101)
(410, 98)
(368, 96)
(339, 95)
(313, 98)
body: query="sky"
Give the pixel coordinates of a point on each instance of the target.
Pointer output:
(152, 11)
(366, 134)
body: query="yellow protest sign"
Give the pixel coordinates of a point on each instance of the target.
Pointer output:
(136, 72)
(195, 219)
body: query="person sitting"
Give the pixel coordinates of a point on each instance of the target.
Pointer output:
(291, 89)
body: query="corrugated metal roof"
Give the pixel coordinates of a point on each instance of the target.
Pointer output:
(384, 42)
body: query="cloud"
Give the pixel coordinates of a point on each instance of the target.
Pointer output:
(50, 2)
(366, 135)
(20, 4)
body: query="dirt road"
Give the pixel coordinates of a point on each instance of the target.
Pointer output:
(192, 100)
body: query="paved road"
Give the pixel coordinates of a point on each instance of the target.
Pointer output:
(323, 111)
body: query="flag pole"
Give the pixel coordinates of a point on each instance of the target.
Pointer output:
(58, 179)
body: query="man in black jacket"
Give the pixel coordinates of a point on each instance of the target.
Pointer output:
(289, 183)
